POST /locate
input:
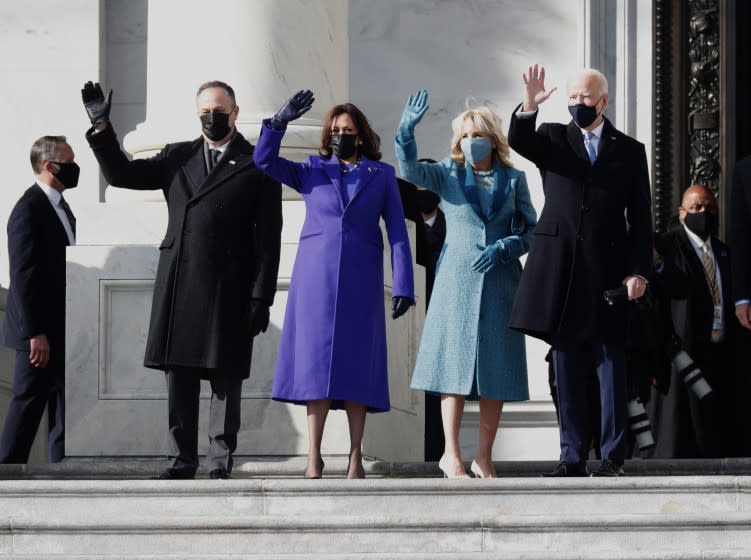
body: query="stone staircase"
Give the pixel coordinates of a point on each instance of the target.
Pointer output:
(400, 511)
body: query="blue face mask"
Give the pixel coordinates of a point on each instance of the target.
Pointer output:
(475, 149)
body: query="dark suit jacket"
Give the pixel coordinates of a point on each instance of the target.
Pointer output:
(684, 426)
(36, 296)
(220, 251)
(594, 231)
(740, 229)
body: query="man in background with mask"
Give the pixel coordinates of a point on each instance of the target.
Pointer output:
(40, 227)
(217, 270)
(594, 234)
(692, 273)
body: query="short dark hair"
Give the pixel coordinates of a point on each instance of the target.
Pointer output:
(371, 142)
(218, 84)
(44, 149)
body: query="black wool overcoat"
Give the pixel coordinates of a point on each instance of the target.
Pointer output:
(220, 251)
(594, 231)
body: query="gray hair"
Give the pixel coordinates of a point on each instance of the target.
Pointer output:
(602, 81)
(45, 149)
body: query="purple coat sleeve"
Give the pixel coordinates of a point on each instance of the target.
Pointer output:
(266, 156)
(396, 229)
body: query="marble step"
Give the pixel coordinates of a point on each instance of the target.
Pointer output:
(580, 536)
(293, 466)
(632, 518)
(503, 497)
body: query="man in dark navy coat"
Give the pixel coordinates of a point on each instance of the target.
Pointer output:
(740, 240)
(594, 234)
(217, 270)
(40, 227)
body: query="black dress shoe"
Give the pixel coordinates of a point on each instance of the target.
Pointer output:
(174, 474)
(608, 468)
(219, 474)
(568, 469)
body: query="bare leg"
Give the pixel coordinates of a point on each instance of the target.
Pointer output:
(317, 412)
(356, 418)
(490, 416)
(452, 410)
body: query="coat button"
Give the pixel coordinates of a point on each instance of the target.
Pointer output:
(580, 237)
(585, 208)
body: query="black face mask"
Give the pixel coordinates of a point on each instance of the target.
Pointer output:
(343, 145)
(68, 174)
(427, 201)
(702, 224)
(583, 115)
(215, 125)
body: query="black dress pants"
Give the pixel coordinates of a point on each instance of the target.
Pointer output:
(183, 392)
(33, 390)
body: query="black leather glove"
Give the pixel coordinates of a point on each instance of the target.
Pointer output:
(399, 306)
(294, 108)
(97, 106)
(259, 317)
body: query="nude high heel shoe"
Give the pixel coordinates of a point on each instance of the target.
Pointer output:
(448, 469)
(477, 471)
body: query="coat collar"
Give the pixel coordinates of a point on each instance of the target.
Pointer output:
(365, 173)
(501, 187)
(237, 156)
(608, 140)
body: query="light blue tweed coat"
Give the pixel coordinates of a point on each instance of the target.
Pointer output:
(467, 347)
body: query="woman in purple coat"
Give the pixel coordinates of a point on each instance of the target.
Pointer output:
(332, 353)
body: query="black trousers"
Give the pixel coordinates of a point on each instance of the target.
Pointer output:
(183, 392)
(33, 390)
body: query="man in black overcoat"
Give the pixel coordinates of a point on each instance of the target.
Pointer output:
(740, 240)
(217, 270)
(40, 227)
(693, 274)
(594, 234)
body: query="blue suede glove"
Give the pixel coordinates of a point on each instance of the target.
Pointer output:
(490, 257)
(416, 107)
(294, 108)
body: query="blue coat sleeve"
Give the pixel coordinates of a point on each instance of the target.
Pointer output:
(431, 176)
(396, 229)
(522, 224)
(266, 156)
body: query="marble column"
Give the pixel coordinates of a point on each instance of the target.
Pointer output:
(264, 49)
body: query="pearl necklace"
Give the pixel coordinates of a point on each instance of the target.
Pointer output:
(483, 172)
(346, 169)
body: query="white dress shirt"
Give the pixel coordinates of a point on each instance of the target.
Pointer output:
(55, 197)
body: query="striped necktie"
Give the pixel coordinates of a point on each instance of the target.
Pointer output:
(69, 214)
(714, 289)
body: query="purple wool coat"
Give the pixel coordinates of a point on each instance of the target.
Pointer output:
(333, 342)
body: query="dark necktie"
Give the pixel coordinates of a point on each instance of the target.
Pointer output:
(69, 214)
(215, 155)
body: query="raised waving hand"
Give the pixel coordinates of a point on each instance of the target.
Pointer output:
(414, 110)
(534, 88)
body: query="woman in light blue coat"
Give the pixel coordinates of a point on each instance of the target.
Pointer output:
(467, 350)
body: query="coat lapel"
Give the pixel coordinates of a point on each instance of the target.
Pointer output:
(608, 142)
(331, 167)
(238, 156)
(470, 190)
(365, 174)
(195, 167)
(576, 141)
(502, 189)
(692, 259)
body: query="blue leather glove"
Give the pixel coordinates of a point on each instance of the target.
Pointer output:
(399, 306)
(490, 257)
(416, 107)
(294, 108)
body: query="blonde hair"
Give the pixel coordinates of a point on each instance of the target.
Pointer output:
(487, 121)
